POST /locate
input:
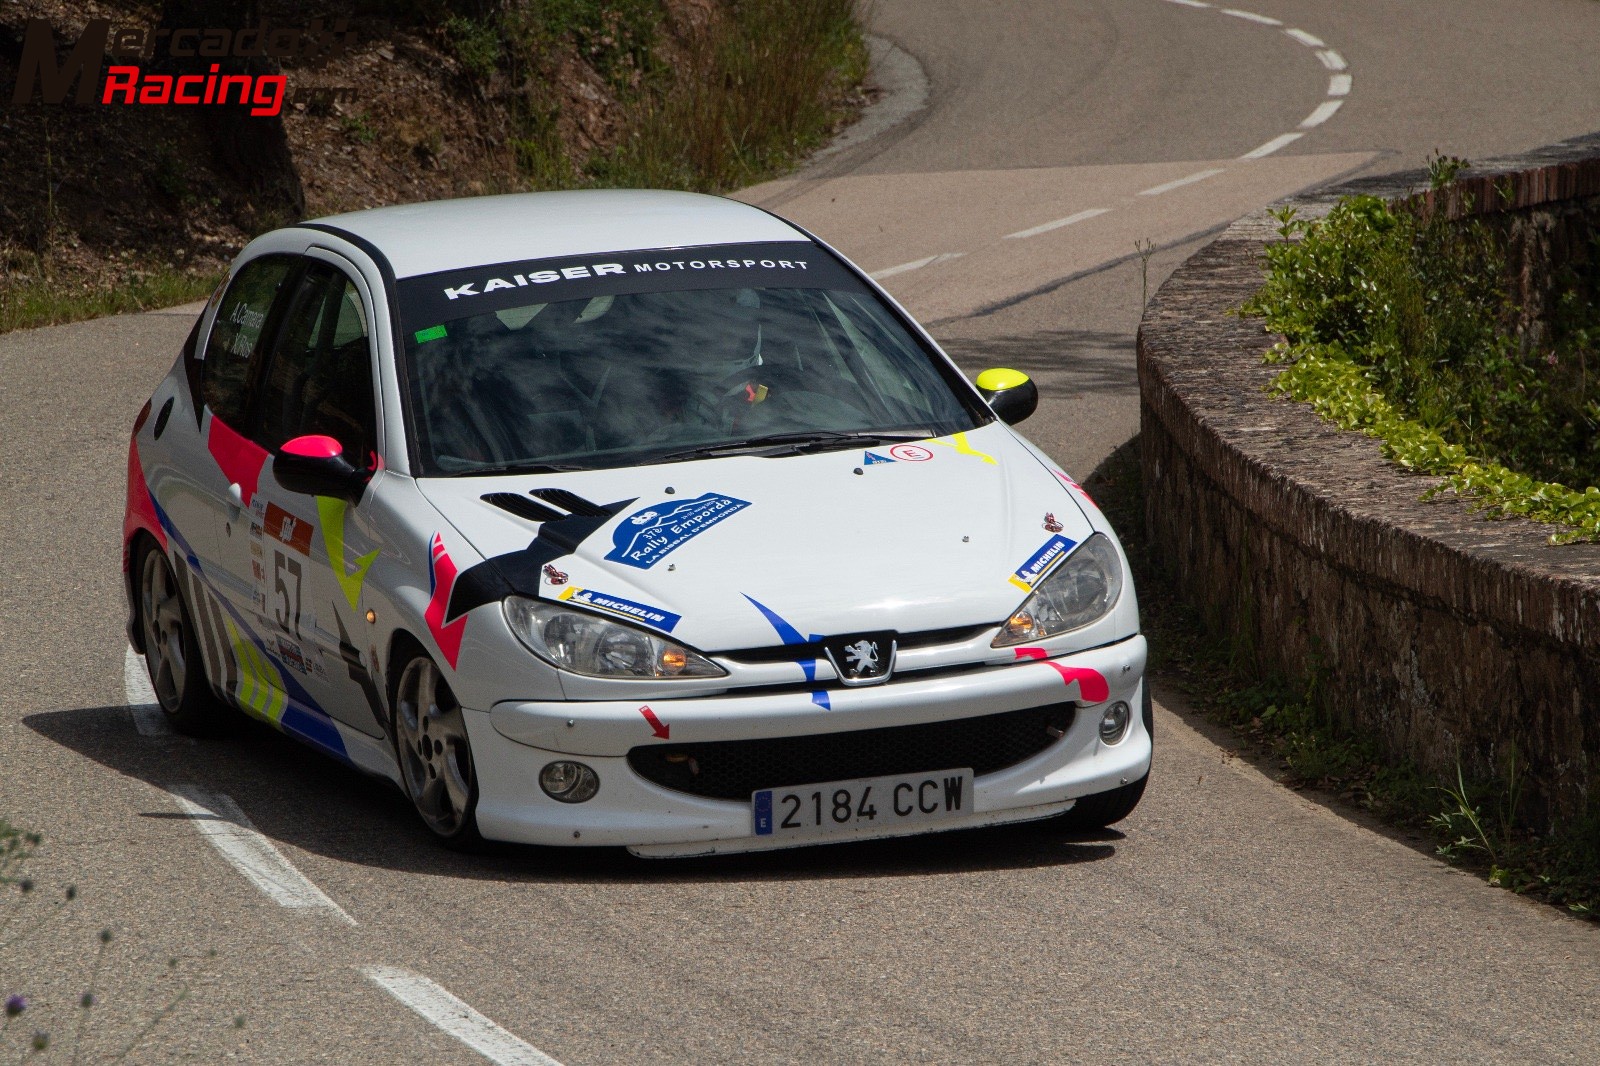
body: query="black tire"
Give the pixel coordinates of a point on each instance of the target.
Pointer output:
(172, 651)
(1108, 808)
(429, 733)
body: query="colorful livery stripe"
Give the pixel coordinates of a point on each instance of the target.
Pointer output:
(442, 578)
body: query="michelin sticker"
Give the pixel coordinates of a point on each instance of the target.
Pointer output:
(646, 537)
(654, 617)
(1042, 561)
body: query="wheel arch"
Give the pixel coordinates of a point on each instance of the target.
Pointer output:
(133, 550)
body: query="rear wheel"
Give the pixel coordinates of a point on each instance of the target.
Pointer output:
(430, 740)
(172, 652)
(1108, 808)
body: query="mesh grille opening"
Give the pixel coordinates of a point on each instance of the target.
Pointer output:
(733, 769)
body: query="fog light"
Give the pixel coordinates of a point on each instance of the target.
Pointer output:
(1113, 724)
(570, 782)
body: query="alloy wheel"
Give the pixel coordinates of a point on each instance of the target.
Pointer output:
(431, 741)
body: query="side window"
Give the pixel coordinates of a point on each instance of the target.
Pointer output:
(319, 377)
(236, 336)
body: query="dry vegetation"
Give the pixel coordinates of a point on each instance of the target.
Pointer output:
(117, 208)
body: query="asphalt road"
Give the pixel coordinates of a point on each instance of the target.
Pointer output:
(1229, 919)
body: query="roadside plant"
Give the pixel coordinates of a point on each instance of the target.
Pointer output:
(1399, 323)
(31, 1024)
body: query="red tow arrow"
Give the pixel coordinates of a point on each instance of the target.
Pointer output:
(661, 731)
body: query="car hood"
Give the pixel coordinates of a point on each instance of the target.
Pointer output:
(746, 551)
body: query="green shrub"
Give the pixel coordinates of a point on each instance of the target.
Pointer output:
(1398, 322)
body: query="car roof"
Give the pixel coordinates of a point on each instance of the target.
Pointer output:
(480, 230)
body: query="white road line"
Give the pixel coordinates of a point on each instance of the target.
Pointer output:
(141, 698)
(1093, 212)
(915, 264)
(1338, 86)
(1251, 16)
(1323, 113)
(1272, 146)
(226, 828)
(439, 1008)
(1180, 183)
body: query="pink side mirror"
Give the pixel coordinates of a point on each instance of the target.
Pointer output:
(313, 446)
(314, 465)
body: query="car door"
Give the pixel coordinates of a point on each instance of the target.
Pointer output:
(304, 557)
(213, 471)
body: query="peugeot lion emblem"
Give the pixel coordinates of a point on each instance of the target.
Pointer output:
(862, 658)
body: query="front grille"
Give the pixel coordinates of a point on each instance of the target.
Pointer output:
(788, 653)
(733, 769)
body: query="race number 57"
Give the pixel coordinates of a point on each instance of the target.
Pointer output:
(286, 591)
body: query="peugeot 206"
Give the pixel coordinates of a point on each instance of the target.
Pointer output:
(626, 518)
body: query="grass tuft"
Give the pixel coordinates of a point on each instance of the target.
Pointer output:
(46, 302)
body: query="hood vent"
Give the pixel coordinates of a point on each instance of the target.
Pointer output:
(572, 503)
(522, 506)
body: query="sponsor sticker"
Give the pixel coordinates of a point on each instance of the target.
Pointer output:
(911, 453)
(283, 526)
(874, 457)
(646, 537)
(290, 655)
(1042, 562)
(654, 617)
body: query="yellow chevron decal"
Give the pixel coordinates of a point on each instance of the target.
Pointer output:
(331, 511)
(958, 441)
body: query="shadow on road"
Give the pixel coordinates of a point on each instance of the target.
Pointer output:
(296, 797)
(1062, 361)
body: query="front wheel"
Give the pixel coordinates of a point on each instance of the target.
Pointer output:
(171, 651)
(430, 740)
(1108, 808)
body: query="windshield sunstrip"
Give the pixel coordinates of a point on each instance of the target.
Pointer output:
(430, 299)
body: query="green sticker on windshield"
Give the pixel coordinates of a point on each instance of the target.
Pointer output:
(426, 335)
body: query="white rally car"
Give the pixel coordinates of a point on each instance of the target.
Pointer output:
(626, 518)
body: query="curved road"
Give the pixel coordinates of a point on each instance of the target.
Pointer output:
(1230, 919)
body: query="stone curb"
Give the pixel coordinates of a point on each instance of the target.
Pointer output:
(1444, 635)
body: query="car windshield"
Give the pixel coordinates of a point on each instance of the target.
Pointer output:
(621, 365)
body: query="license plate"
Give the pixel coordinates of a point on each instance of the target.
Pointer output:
(840, 808)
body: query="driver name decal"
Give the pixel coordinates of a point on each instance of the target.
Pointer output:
(646, 537)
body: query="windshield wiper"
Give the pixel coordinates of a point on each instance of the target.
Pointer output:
(798, 443)
(519, 468)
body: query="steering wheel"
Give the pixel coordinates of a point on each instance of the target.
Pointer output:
(766, 397)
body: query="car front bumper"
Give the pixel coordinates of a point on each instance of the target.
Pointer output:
(513, 741)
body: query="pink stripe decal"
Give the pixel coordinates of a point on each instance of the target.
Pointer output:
(141, 508)
(1074, 486)
(240, 458)
(1092, 687)
(443, 575)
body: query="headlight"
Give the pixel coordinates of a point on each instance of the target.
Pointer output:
(583, 644)
(1081, 590)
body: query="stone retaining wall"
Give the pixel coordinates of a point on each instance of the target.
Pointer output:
(1445, 635)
